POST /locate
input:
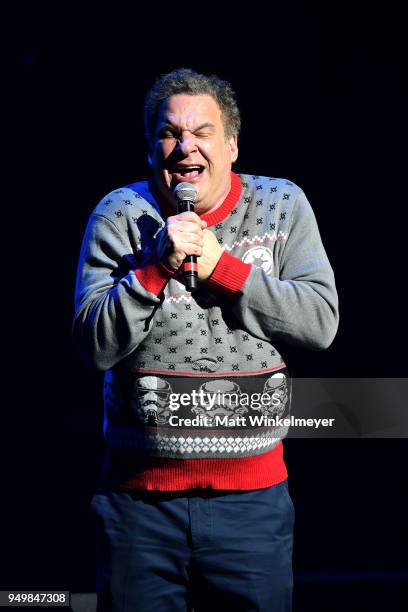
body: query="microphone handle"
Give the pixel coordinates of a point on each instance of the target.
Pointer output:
(189, 265)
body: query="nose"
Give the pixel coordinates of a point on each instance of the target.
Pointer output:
(186, 143)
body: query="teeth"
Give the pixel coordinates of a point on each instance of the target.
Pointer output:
(188, 168)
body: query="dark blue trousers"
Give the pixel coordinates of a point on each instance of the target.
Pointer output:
(205, 550)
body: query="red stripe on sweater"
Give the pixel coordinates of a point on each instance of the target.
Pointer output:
(163, 474)
(238, 373)
(153, 277)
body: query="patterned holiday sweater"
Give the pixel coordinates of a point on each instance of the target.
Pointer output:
(193, 382)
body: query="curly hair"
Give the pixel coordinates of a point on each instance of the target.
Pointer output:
(186, 81)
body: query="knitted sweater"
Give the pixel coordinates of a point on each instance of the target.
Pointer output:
(192, 382)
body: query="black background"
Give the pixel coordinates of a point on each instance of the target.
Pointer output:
(322, 101)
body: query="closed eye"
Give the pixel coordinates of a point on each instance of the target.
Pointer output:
(167, 134)
(202, 131)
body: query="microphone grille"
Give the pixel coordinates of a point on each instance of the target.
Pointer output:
(185, 191)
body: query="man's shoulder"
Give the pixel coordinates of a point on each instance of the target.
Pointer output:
(268, 184)
(131, 199)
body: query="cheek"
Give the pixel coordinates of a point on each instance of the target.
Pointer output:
(222, 156)
(165, 149)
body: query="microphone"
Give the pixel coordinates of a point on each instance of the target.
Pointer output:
(186, 194)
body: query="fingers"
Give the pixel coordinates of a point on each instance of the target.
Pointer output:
(187, 246)
(183, 235)
(185, 228)
(189, 216)
(186, 216)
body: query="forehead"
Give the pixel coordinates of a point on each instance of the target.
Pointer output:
(189, 111)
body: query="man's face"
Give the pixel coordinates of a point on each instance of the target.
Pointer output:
(190, 145)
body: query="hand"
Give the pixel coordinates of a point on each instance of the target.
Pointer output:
(211, 253)
(181, 236)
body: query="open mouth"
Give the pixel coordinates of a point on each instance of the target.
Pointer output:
(187, 173)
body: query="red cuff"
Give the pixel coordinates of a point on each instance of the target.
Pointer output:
(229, 275)
(153, 277)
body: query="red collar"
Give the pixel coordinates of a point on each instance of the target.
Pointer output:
(219, 213)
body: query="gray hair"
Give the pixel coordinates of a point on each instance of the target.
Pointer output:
(186, 81)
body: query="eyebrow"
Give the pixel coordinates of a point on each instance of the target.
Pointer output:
(170, 125)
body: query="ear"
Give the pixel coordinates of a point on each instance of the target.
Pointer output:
(233, 147)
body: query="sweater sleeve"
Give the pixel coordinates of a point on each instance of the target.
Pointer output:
(300, 305)
(115, 297)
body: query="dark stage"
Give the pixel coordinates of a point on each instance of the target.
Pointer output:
(322, 102)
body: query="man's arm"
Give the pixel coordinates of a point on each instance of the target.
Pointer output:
(116, 295)
(113, 304)
(300, 305)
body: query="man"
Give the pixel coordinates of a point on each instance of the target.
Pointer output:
(193, 507)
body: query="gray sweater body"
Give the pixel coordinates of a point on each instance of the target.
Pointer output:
(156, 347)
